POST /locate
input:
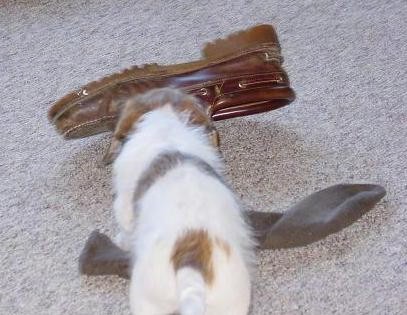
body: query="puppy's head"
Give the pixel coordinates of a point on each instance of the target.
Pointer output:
(136, 107)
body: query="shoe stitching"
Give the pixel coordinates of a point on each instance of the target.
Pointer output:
(66, 133)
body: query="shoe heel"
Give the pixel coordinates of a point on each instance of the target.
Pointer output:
(260, 36)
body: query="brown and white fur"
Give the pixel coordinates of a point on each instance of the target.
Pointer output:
(193, 252)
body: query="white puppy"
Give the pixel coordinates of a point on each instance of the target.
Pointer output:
(193, 251)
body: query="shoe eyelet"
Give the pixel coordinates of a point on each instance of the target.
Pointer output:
(269, 57)
(82, 92)
(242, 84)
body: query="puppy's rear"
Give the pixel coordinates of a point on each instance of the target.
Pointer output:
(193, 264)
(211, 276)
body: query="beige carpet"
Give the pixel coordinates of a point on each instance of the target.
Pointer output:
(348, 64)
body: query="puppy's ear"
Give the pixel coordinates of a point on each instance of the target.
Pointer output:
(198, 116)
(214, 137)
(113, 151)
(131, 113)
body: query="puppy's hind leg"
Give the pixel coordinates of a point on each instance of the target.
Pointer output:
(139, 303)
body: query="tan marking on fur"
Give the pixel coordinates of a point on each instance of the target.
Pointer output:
(214, 135)
(180, 101)
(194, 249)
(129, 116)
(198, 116)
(224, 246)
(136, 107)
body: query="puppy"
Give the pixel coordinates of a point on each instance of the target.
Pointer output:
(180, 220)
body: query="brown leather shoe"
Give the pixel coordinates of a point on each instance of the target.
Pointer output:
(240, 75)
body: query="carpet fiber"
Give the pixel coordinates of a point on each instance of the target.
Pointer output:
(347, 61)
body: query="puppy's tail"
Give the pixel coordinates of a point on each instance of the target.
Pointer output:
(192, 261)
(191, 292)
